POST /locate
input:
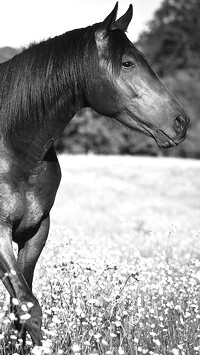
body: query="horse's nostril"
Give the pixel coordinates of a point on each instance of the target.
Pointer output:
(179, 123)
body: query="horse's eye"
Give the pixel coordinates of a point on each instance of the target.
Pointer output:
(128, 64)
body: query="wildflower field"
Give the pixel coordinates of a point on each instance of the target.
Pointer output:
(120, 273)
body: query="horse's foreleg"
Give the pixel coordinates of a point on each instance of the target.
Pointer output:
(30, 251)
(28, 255)
(17, 286)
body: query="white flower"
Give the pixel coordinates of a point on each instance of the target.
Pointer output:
(187, 314)
(76, 348)
(78, 311)
(25, 316)
(104, 342)
(113, 335)
(46, 345)
(87, 343)
(153, 334)
(29, 305)
(175, 351)
(37, 350)
(15, 301)
(24, 308)
(156, 342)
(56, 320)
(12, 317)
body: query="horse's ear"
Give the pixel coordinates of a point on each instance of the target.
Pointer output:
(124, 20)
(104, 27)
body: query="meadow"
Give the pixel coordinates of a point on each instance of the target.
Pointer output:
(120, 273)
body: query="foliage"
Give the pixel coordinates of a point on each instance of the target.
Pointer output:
(172, 41)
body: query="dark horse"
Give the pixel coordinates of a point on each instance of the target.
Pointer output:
(41, 89)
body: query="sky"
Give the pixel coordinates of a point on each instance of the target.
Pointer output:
(26, 21)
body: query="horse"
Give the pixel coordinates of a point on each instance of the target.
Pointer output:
(41, 89)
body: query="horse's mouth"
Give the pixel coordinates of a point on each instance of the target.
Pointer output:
(162, 139)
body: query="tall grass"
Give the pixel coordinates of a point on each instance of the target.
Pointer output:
(98, 298)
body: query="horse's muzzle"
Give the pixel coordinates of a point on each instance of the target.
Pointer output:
(180, 126)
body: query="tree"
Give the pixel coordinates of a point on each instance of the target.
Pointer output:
(172, 40)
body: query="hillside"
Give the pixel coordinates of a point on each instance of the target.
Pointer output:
(7, 53)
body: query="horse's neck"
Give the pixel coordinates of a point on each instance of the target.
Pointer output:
(33, 141)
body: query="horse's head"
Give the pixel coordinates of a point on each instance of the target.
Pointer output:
(125, 87)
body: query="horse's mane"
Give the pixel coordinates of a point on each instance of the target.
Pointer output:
(32, 81)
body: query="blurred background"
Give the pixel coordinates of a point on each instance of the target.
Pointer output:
(166, 32)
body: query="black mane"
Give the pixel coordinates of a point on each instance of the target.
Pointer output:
(35, 79)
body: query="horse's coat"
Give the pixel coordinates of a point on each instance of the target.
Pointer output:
(41, 89)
